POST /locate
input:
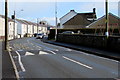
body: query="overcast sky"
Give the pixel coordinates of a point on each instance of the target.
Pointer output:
(46, 10)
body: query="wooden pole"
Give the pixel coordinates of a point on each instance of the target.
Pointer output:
(106, 10)
(56, 20)
(6, 24)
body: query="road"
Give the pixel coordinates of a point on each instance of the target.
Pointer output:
(35, 59)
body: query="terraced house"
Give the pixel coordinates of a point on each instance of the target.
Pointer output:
(12, 28)
(21, 28)
(2, 27)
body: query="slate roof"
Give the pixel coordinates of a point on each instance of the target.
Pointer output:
(2, 16)
(100, 23)
(88, 17)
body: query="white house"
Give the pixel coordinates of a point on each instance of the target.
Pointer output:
(21, 28)
(42, 29)
(35, 28)
(12, 29)
(29, 28)
(2, 27)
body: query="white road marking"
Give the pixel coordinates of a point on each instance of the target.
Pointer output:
(42, 52)
(50, 51)
(77, 62)
(28, 54)
(20, 62)
(14, 66)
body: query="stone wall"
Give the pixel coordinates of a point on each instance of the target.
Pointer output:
(112, 43)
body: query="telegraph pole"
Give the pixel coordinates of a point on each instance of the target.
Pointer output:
(56, 20)
(6, 24)
(106, 21)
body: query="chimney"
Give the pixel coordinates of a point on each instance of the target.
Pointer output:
(94, 10)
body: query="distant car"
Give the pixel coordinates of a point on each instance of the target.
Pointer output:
(68, 32)
(39, 36)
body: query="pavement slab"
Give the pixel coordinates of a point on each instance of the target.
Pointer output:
(0, 59)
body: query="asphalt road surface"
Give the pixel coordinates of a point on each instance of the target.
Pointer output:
(35, 59)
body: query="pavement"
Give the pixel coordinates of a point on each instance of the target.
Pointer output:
(0, 59)
(90, 50)
(8, 72)
(36, 59)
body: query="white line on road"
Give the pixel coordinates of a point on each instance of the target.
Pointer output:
(77, 62)
(42, 52)
(15, 68)
(50, 51)
(20, 62)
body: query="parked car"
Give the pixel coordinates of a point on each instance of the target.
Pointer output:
(39, 36)
(68, 32)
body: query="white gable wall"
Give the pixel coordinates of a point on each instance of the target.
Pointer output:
(2, 27)
(67, 17)
(11, 30)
